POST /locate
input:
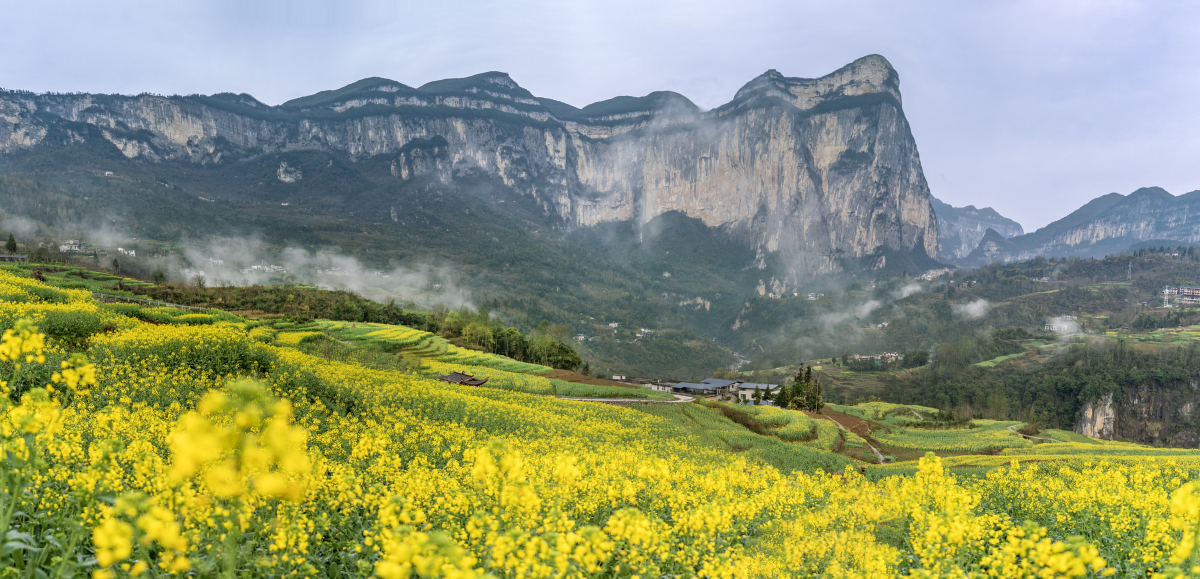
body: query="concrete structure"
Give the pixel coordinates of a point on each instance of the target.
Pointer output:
(1188, 294)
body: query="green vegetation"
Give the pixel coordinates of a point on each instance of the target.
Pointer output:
(717, 431)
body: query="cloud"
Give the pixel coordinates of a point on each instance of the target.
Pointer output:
(863, 309)
(20, 227)
(249, 260)
(1064, 326)
(972, 310)
(907, 290)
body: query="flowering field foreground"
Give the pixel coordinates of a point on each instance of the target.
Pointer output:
(197, 450)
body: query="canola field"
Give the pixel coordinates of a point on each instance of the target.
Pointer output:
(136, 448)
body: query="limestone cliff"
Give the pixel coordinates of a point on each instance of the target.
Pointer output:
(960, 229)
(814, 171)
(1105, 225)
(1149, 413)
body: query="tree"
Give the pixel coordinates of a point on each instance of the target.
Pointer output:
(480, 335)
(547, 351)
(11, 245)
(806, 393)
(784, 397)
(916, 358)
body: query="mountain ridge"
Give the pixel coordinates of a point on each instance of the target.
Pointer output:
(961, 229)
(1107, 224)
(813, 170)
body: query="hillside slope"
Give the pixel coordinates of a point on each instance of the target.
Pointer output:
(1107, 224)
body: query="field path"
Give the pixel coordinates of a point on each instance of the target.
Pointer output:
(1011, 429)
(856, 424)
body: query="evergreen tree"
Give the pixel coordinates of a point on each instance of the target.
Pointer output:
(807, 392)
(11, 245)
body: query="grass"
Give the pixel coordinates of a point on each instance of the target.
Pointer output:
(403, 341)
(712, 427)
(994, 361)
(75, 277)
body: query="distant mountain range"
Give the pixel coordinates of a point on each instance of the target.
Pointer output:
(960, 229)
(1108, 224)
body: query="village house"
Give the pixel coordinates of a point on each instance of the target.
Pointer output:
(1188, 294)
(745, 390)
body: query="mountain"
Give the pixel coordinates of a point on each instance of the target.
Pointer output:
(646, 211)
(1107, 224)
(812, 169)
(960, 229)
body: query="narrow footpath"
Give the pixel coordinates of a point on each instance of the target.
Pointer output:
(878, 454)
(1013, 430)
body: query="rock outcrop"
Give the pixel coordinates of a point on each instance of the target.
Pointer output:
(1106, 225)
(1098, 419)
(815, 171)
(960, 229)
(1150, 413)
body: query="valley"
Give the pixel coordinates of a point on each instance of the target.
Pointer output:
(461, 330)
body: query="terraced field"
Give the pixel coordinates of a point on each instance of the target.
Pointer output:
(398, 340)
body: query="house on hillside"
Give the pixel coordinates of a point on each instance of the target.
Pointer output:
(745, 390)
(1188, 294)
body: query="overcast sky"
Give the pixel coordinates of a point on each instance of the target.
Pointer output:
(1033, 108)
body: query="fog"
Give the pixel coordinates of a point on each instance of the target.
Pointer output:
(248, 261)
(1064, 326)
(972, 310)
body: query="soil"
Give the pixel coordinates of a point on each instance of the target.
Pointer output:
(850, 422)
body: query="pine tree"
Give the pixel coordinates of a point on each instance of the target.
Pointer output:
(11, 245)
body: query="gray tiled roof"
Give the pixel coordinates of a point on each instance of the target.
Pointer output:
(752, 385)
(697, 386)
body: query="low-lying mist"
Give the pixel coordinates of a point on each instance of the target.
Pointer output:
(246, 261)
(250, 261)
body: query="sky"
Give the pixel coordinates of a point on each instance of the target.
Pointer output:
(1030, 107)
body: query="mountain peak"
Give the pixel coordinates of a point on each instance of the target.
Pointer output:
(492, 81)
(369, 85)
(1152, 193)
(653, 103)
(871, 74)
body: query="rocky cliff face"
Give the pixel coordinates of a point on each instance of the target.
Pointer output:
(813, 170)
(960, 229)
(1150, 414)
(1097, 419)
(1105, 225)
